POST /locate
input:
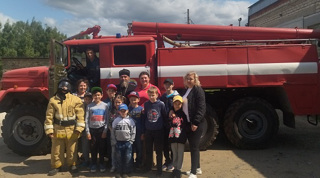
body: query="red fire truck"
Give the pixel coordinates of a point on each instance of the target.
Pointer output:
(249, 74)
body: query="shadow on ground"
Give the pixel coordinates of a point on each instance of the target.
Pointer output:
(292, 153)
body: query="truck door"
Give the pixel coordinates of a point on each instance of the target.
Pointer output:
(58, 60)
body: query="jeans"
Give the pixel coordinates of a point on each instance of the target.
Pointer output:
(137, 147)
(113, 156)
(123, 155)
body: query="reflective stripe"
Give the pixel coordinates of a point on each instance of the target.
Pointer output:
(69, 118)
(58, 116)
(113, 73)
(240, 69)
(46, 127)
(81, 124)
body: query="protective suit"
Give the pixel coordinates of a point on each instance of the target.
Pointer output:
(65, 121)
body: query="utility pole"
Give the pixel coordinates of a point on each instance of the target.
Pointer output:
(239, 21)
(188, 22)
(188, 17)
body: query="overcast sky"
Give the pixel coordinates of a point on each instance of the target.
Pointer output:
(73, 16)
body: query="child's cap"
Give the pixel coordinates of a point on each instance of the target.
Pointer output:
(177, 98)
(88, 94)
(96, 89)
(168, 80)
(133, 93)
(123, 107)
(112, 86)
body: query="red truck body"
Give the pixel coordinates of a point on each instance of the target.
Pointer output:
(292, 67)
(247, 73)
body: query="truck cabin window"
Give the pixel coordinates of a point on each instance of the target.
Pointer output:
(80, 68)
(124, 55)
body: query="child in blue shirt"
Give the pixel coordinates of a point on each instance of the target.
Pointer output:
(135, 112)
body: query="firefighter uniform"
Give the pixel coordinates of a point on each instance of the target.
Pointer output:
(63, 118)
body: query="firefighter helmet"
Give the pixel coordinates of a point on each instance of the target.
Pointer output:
(64, 84)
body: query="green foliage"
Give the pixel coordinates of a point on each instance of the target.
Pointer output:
(24, 39)
(0, 68)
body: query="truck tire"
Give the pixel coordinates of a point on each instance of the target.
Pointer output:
(210, 130)
(250, 123)
(23, 131)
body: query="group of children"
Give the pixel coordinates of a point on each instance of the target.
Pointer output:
(114, 125)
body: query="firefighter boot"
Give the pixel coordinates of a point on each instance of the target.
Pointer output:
(54, 171)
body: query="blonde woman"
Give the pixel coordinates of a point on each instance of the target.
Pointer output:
(194, 106)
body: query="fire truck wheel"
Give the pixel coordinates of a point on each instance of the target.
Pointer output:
(23, 132)
(210, 130)
(250, 123)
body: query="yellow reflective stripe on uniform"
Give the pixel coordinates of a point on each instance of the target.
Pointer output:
(46, 127)
(58, 116)
(70, 118)
(81, 124)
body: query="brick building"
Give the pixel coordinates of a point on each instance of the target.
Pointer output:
(285, 13)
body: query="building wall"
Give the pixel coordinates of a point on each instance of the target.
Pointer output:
(288, 13)
(15, 63)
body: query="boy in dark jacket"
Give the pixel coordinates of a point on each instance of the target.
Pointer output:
(155, 119)
(177, 135)
(167, 98)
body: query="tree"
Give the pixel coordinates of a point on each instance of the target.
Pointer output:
(24, 39)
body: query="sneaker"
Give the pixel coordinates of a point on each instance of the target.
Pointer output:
(112, 169)
(93, 168)
(164, 167)
(199, 172)
(85, 165)
(102, 168)
(192, 176)
(170, 167)
(54, 171)
(73, 169)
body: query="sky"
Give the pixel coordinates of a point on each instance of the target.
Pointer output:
(73, 16)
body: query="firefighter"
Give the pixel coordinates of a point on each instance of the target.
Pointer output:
(64, 123)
